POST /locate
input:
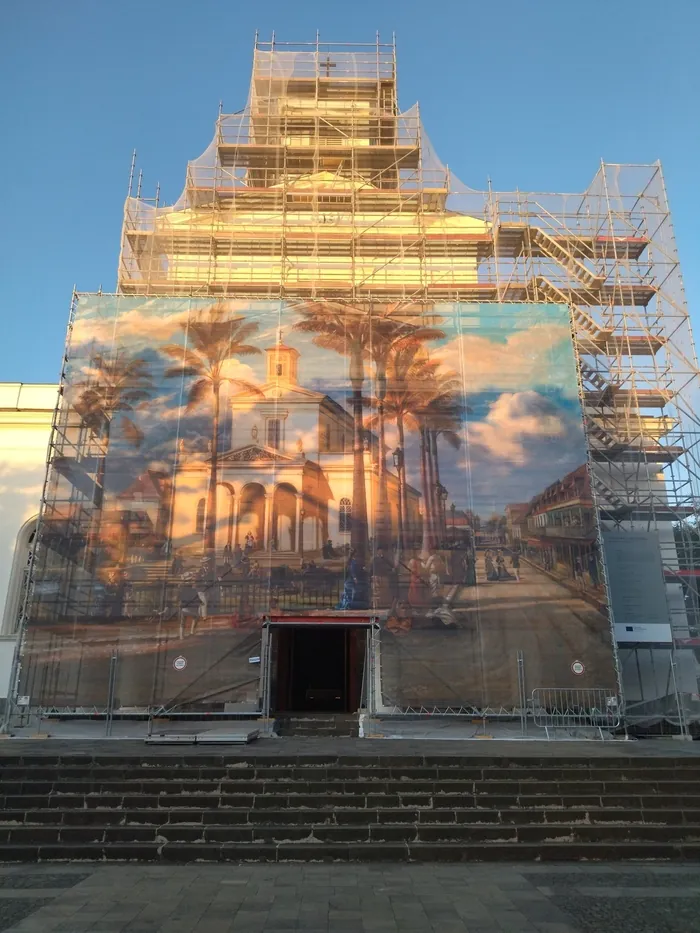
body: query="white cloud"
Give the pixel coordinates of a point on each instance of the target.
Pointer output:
(234, 370)
(514, 419)
(171, 406)
(151, 322)
(526, 358)
(138, 326)
(160, 466)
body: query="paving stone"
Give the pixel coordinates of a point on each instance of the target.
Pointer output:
(42, 880)
(381, 897)
(632, 915)
(14, 909)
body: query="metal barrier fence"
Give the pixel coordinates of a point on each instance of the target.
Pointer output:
(575, 709)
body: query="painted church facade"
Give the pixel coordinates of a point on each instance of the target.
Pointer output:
(285, 480)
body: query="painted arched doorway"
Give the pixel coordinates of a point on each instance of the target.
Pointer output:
(284, 518)
(251, 515)
(224, 515)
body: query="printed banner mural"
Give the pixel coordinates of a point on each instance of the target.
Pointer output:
(216, 462)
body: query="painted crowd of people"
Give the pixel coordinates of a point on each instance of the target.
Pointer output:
(495, 565)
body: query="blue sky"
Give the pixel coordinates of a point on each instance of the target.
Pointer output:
(532, 94)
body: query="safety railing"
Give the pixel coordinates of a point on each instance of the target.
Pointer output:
(577, 710)
(242, 131)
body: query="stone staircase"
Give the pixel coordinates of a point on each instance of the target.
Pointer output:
(316, 725)
(220, 807)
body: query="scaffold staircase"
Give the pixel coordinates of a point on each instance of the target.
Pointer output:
(586, 327)
(608, 496)
(595, 379)
(555, 250)
(611, 443)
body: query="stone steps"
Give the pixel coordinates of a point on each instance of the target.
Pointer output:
(324, 852)
(317, 725)
(365, 802)
(159, 831)
(342, 817)
(368, 773)
(346, 788)
(219, 808)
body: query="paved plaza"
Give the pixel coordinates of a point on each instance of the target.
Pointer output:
(358, 898)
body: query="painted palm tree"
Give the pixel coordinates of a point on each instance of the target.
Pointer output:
(355, 332)
(443, 418)
(407, 369)
(347, 330)
(213, 338)
(115, 387)
(422, 397)
(389, 335)
(439, 410)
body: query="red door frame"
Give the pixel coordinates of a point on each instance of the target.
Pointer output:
(354, 650)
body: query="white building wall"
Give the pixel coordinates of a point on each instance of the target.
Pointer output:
(26, 413)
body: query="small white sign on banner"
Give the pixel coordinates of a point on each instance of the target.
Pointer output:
(180, 663)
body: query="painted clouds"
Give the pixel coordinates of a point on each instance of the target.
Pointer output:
(537, 355)
(524, 429)
(514, 419)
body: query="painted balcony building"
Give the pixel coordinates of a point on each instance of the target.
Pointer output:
(336, 387)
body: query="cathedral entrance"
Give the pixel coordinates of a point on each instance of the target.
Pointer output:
(318, 668)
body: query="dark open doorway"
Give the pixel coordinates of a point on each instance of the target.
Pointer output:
(319, 668)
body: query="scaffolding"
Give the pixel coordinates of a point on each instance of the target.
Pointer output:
(322, 188)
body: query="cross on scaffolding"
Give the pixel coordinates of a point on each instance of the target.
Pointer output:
(328, 64)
